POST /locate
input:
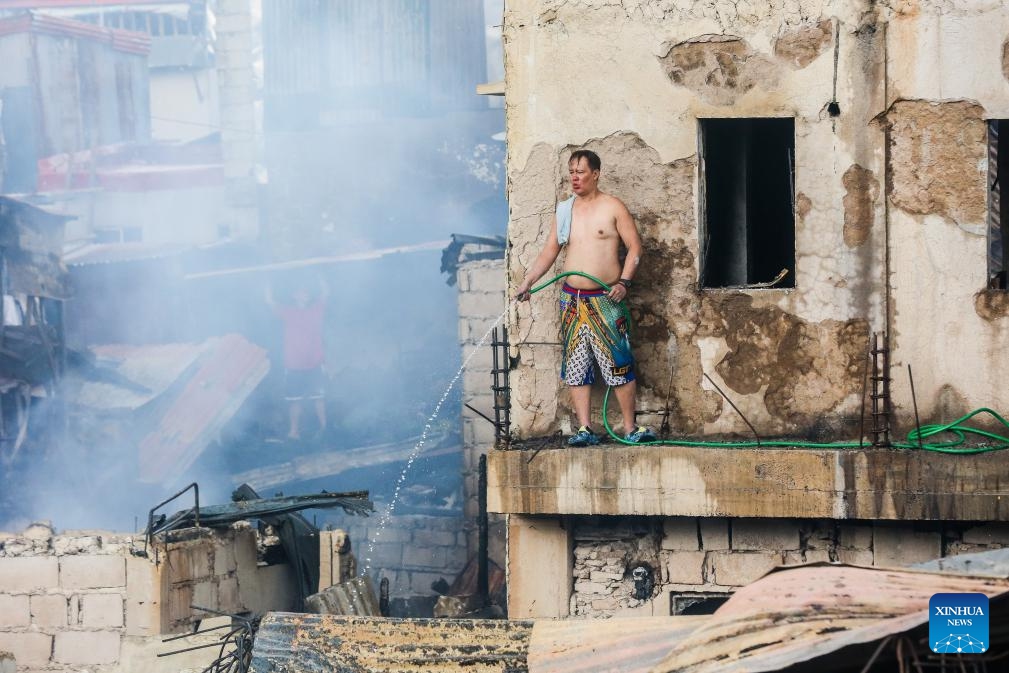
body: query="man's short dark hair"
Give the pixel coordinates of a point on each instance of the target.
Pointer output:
(591, 157)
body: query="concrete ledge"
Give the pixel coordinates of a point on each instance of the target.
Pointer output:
(797, 483)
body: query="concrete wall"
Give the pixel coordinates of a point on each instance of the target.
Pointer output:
(186, 217)
(900, 172)
(184, 104)
(703, 556)
(86, 599)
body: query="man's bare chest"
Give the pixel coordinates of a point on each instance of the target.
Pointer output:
(593, 226)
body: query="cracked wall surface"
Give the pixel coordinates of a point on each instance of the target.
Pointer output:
(899, 160)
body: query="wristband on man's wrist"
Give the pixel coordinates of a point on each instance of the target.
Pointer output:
(626, 282)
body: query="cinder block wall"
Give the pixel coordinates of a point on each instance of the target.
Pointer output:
(481, 303)
(717, 556)
(68, 601)
(413, 551)
(86, 599)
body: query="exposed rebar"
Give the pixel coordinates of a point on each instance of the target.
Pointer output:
(752, 429)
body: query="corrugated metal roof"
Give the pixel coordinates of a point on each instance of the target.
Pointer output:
(111, 253)
(799, 614)
(605, 646)
(305, 642)
(121, 40)
(154, 367)
(228, 370)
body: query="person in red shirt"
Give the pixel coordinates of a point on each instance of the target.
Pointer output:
(304, 353)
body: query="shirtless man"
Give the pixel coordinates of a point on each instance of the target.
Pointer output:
(594, 323)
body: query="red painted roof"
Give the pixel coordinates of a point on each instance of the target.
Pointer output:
(77, 4)
(130, 168)
(120, 40)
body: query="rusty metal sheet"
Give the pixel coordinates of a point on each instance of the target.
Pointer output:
(799, 614)
(292, 643)
(353, 597)
(228, 371)
(624, 645)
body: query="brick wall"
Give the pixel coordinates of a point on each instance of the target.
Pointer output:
(716, 556)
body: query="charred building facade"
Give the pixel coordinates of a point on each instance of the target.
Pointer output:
(805, 176)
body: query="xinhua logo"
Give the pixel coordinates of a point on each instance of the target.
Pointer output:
(958, 623)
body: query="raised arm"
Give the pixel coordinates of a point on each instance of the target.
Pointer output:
(542, 263)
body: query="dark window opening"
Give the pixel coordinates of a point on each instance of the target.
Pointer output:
(748, 195)
(696, 602)
(998, 208)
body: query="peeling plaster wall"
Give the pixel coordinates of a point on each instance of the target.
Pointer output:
(946, 76)
(629, 79)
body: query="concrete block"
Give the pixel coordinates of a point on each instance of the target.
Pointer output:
(434, 538)
(482, 360)
(205, 595)
(490, 280)
(92, 572)
(424, 557)
(540, 567)
(26, 574)
(391, 535)
(855, 557)
(680, 533)
(143, 597)
(84, 648)
(854, 536)
(765, 534)
(808, 556)
(143, 579)
(478, 433)
(14, 610)
(685, 567)
(384, 555)
(895, 546)
(741, 567)
(224, 559)
(714, 534)
(594, 588)
(989, 533)
(228, 596)
(49, 610)
(28, 648)
(478, 328)
(420, 582)
(101, 611)
(473, 304)
(143, 618)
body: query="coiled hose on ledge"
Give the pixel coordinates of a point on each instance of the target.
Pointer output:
(915, 438)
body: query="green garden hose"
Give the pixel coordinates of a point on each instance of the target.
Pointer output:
(915, 438)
